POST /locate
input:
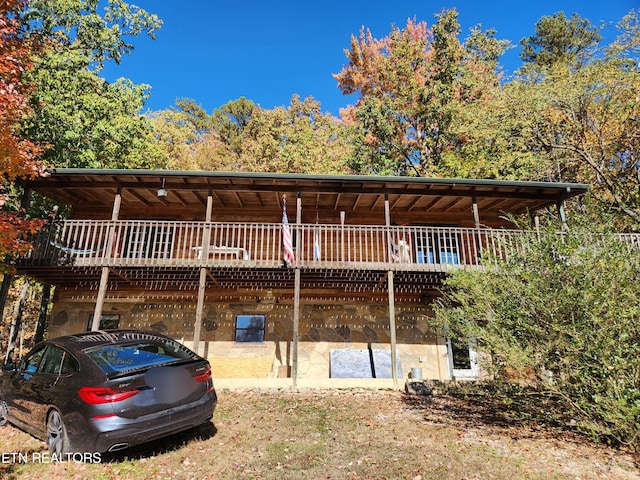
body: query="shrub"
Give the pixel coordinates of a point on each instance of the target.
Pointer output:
(566, 305)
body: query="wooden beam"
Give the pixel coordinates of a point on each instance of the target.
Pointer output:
(392, 329)
(104, 275)
(392, 306)
(202, 283)
(296, 303)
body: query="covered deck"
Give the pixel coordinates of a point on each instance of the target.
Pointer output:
(219, 235)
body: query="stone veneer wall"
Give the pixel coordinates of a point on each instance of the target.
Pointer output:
(339, 325)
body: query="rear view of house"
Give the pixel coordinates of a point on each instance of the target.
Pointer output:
(309, 279)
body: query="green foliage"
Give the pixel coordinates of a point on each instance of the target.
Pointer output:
(240, 136)
(79, 25)
(565, 304)
(583, 125)
(83, 120)
(560, 40)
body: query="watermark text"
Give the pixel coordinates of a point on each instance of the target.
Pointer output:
(46, 457)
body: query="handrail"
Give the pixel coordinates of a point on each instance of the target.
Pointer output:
(178, 244)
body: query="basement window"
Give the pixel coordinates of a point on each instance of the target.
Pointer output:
(463, 359)
(107, 322)
(250, 328)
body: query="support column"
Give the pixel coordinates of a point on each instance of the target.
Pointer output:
(202, 284)
(476, 213)
(392, 306)
(392, 329)
(104, 275)
(476, 223)
(296, 295)
(296, 324)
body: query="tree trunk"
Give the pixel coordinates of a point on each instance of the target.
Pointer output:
(42, 317)
(15, 324)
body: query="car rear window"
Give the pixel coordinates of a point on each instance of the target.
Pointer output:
(115, 358)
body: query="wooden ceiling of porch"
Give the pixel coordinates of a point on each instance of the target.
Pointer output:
(259, 196)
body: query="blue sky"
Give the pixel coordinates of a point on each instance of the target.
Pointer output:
(214, 52)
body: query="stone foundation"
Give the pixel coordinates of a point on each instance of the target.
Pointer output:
(323, 326)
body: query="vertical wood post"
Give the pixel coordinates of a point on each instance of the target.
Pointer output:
(202, 283)
(104, 275)
(476, 213)
(392, 306)
(476, 223)
(296, 295)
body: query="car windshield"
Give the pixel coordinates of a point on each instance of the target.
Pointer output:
(114, 358)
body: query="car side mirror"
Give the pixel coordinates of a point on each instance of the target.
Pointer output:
(9, 367)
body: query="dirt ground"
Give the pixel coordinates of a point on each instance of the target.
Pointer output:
(342, 434)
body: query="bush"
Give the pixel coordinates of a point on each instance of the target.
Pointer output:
(565, 305)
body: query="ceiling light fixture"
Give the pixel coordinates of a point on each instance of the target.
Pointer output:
(162, 192)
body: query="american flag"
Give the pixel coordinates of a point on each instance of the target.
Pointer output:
(287, 245)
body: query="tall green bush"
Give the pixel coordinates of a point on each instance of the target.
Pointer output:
(565, 304)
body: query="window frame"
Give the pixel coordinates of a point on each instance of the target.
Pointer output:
(104, 318)
(441, 246)
(249, 316)
(464, 373)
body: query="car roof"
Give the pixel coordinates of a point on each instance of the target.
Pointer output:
(84, 340)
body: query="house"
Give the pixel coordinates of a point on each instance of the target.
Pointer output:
(200, 256)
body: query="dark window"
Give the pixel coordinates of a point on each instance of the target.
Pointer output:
(107, 322)
(120, 358)
(30, 363)
(147, 241)
(250, 328)
(52, 360)
(440, 245)
(69, 364)
(461, 355)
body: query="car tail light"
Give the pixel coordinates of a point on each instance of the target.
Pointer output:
(96, 395)
(204, 376)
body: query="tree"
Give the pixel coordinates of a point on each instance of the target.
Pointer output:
(296, 139)
(413, 86)
(583, 122)
(86, 121)
(18, 156)
(240, 136)
(560, 40)
(566, 307)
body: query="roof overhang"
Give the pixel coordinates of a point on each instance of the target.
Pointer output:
(74, 186)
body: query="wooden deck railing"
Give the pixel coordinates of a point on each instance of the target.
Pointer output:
(135, 243)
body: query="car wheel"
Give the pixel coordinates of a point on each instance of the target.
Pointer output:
(57, 440)
(4, 413)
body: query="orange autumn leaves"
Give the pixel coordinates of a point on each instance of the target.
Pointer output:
(18, 156)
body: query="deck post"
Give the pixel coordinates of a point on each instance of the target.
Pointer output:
(476, 223)
(104, 275)
(392, 306)
(296, 325)
(296, 296)
(392, 329)
(202, 283)
(476, 213)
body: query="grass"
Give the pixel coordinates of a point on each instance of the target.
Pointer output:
(354, 434)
